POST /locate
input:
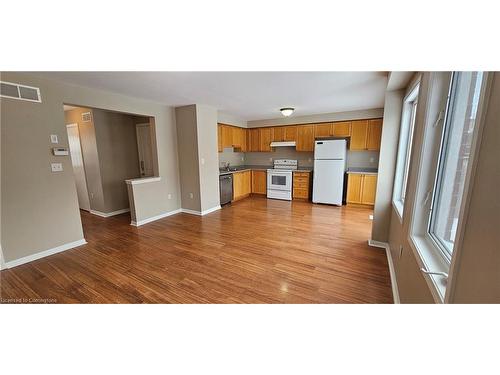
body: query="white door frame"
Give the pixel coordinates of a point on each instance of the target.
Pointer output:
(75, 125)
(140, 156)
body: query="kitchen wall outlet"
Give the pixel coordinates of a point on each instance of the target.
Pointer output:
(270, 159)
(242, 158)
(309, 160)
(53, 138)
(372, 160)
(56, 167)
(191, 195)
(169, 196)
(202, 161)
(91, 195)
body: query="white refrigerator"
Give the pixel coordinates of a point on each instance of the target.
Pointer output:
(329, 170)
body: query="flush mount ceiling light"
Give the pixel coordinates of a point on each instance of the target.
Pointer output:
(287, 111)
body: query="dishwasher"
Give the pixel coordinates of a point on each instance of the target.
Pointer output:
(226, 188)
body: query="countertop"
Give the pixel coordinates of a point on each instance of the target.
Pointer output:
(362, 171)
(241, 168)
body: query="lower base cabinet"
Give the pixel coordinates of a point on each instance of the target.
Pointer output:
(301, 185)
(259, 182)
(242, 184)
(361, 189)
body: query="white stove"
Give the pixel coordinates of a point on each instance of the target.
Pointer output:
(279, 179)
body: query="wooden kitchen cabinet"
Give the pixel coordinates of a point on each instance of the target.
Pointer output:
(366, 134)
(279, 134)
(301, 185)
(361, 189)
(253, 141)
(219, 138)
(374, 136)
(290, 133)
(341, 129)
(266, 136)
(242, 184)
(226, 136)
(239, 139)
(323, 130)
(259, 182)
(359, 133)
(305, 138)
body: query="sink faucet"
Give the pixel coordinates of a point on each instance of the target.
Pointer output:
(227, 164)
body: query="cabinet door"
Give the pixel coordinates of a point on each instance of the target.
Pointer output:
(247, 182)
(305, 138)
(359, 130)
(278, 134)
(237, 185)
(266, 135)
(227, 136)
(259, 182)
(354, 187)
(290, 133)
(244, 140)
(219, 138)
(253, 140)
(369, 189)
(342, 129)
(374, 134)
(323, 130)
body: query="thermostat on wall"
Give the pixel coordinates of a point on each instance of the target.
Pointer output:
(60, 151)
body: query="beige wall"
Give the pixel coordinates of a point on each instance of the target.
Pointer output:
(387, 164)
(118, 155)
(40, 208)
(198, 158)
(187, 139)
(206, 125)
(323, 117)
(475, 276)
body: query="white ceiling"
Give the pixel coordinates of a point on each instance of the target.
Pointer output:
(247, 95)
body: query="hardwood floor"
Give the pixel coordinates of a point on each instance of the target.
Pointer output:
(254, 251)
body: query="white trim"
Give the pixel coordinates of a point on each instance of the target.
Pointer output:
(137, 181)
(19, 92)
(392, 273)
(154, 218)
(108, 214)
(45, 253)
(201, 213)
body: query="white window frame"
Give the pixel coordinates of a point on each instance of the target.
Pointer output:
(431, 116)
(407, 128)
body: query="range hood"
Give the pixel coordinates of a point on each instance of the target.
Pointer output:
(283, 144)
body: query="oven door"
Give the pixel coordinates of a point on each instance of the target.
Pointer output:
(279, 180)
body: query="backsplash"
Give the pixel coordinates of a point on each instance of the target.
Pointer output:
(231, 157)
(355, 159)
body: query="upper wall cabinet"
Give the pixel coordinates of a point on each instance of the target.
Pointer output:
(279, 134)
(284, 133)
(374, 134)
(366, 134)
(323, 130)
(232, 136)
(342, 129)
(253, 140)
(266, 137)
(305, 138)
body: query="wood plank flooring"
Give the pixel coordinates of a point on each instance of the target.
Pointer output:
(254, 251)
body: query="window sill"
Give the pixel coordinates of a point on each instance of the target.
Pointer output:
(398, 207)
(429, 258)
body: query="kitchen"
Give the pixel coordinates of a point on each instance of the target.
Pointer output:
(251, 159)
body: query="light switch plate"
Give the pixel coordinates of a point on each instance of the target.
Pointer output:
(53, 138)
(56, 167)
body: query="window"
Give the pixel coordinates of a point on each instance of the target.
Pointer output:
(460, 121)
(404, 151)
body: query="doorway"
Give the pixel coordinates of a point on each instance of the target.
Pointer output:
(75, 150)
(143, 132)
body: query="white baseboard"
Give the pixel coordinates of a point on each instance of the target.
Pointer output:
(154, 218)
(108, 214)
(394, 283)
(45, 253)
(201, 213)
(170, 213)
